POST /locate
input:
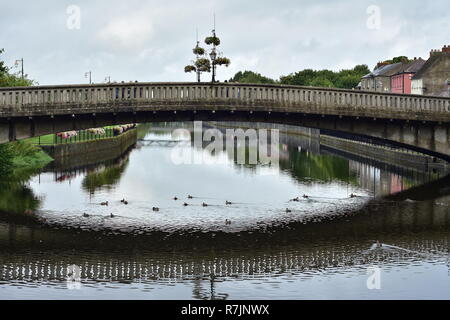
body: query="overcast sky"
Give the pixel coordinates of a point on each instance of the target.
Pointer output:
(153, 40)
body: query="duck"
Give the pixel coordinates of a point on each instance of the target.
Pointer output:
(288, 210)
(190, 197)
(155, 209)
(125, 202)
(185, 204)
(104, 203)
(175, 198)
(204, 204)
(227, 221)
(296, 199)
(352, 195)
(228, 202)
(112, 215)
(85, 215)
(305, 196)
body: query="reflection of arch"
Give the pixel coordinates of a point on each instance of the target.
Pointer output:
(243, 254)
(149, 266)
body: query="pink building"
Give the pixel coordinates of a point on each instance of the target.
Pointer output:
(401, 81)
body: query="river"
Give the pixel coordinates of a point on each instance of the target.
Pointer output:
(242, 233)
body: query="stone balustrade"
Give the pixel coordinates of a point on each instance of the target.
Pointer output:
(78, 99)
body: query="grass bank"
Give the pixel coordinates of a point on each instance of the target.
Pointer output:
(21, 158)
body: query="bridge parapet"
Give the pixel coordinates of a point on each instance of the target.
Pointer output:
(76, 99)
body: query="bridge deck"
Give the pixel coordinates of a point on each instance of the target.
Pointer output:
(97, 98)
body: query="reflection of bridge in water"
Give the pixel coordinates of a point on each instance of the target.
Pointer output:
(418, 229)
(163, 143)
(145, 266)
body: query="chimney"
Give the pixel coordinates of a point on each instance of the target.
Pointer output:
(433, 52)
(381, 63)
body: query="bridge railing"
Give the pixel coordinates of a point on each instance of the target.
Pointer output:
(271, 96)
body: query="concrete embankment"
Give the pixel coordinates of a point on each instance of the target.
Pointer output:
(89, 152)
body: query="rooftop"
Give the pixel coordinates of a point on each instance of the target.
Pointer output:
(385, 71)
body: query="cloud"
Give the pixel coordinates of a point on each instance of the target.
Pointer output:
(153, 40)
(126, 33)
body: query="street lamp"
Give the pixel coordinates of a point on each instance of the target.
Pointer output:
(16, 63)
(213, 56)
(88, 75)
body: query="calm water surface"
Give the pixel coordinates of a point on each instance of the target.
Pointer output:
(321, 249)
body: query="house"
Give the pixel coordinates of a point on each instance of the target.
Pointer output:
(380, 78)
(401, 81)
(432, 78)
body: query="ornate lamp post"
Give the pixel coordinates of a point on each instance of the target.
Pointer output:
(213, 56)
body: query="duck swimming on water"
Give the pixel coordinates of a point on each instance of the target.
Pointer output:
(228, 202)
(305, 196)
(104, 203)
(85, 215)
(204, 204)
(185, 204)
(111, 215)
(288, 210)
(155, 209)
(190, 197)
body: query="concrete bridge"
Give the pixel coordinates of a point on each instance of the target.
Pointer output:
(419, 122)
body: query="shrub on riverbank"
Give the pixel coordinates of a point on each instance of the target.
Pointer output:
(21, 158)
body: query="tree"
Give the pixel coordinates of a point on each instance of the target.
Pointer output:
(3, 67)
(250, 77)
(8, 79)
(346, 78)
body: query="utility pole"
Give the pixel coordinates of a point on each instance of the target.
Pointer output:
(21, 64)
(89, 73)
(197, 56)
